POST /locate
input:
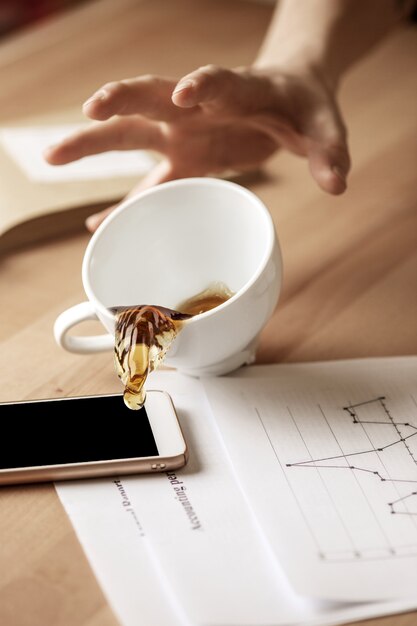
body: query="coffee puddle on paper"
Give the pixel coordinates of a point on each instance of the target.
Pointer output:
(144, 334)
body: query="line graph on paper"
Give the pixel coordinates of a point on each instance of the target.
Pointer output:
(352, 470)
(400, 505)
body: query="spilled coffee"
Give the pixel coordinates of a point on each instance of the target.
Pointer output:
(144, 333)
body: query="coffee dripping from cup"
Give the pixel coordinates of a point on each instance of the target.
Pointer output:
(168, 243)
(144, 334)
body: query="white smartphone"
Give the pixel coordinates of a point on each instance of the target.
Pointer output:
(86, 437)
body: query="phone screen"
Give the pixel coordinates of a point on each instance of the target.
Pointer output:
(73, 430)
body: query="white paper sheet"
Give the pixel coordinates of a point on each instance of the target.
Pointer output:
(25, 145)
(327, 456)
(214, 562)
(111, 533)
(158, 564)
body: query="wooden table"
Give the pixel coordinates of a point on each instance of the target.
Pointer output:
(350, 262)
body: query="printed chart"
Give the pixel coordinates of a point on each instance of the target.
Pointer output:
(383, 474)
(327, 457)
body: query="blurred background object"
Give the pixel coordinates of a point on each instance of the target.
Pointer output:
(16, 14)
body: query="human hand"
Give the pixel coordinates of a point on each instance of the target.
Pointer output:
(214, 120)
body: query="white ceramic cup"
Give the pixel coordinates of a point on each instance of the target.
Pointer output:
(168, 244)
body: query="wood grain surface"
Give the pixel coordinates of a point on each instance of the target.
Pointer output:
(350, 262)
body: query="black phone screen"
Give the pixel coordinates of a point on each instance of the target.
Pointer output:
(72, 430)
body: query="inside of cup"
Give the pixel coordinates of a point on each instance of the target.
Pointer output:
(172, 243)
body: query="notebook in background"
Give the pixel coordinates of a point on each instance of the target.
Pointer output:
(38, 200)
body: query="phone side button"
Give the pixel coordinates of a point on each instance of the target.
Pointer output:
(157, 466)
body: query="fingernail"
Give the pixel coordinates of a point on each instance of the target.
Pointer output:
(99, 95)
(183, 85)
(47, 151)
(92, 222)
(339, 173)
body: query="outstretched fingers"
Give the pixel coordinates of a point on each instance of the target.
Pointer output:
(146, 95)
(232, 91)
(203, 85)
(118, 134)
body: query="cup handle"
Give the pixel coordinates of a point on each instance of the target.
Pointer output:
(82, 345)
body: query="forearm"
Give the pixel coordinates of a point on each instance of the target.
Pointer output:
(327, 36)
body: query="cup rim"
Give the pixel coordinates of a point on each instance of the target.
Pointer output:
(183, 182)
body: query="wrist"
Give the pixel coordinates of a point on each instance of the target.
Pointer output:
(296, 54)
(302, 65)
